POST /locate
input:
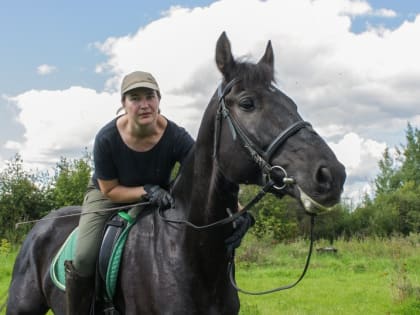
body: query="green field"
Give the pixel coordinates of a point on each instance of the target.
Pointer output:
(374, 276)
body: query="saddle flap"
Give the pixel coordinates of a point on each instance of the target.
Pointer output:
(112, 232)
(115, 235)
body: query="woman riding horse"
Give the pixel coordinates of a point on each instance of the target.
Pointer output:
(251, 133)
(133, 158)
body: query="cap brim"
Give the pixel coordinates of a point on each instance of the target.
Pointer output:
(139, 85)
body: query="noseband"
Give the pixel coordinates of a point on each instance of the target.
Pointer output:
(261, 157)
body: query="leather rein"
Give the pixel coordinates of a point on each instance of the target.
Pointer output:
(262, 159)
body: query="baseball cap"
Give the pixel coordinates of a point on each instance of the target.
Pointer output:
(138, 79)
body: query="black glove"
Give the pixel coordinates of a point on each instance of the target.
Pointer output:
(241, 226)
(158, 196)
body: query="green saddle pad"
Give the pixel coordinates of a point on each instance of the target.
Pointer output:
(67, 251)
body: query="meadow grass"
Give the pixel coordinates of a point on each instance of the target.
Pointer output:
(373, 276)
(7, 258)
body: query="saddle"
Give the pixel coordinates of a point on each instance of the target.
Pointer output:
(114, 237)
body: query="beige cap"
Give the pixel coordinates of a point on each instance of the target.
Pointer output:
(138, 79)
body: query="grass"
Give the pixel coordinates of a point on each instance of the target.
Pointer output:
(367, 277)
(374, 276)
(7, 258)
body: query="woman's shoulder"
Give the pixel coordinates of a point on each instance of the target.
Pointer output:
(174, 128)
(109, 130)
(178, 134)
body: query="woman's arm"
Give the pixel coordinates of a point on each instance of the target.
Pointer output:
(118, 193)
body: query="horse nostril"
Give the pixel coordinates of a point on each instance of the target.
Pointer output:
(323, 177)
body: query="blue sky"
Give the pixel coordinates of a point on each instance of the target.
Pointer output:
(61, 33)
(405, 9)
(351, 66)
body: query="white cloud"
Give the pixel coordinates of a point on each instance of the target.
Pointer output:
(361, 8)
(387, 13)
(361, 157)
(353, 8)
(45, 69)
(358, 90)
(57, 122)
(13, 145)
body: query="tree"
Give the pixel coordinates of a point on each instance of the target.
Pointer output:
(70, 181)
(275, 219)
(388, 178)
(20, 198)
(396, 207)
(410, 157)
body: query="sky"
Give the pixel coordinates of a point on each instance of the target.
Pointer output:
(352, 67)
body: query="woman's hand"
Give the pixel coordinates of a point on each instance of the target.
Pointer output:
(158, 196)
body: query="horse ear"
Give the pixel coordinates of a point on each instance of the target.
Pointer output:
(224, 57)
(268, 57)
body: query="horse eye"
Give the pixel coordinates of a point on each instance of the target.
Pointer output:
(247, 104)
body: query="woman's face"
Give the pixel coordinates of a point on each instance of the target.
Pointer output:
(142, 105)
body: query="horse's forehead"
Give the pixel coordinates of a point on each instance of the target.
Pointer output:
(270, 92)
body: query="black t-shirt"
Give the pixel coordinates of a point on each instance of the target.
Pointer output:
(113, 159)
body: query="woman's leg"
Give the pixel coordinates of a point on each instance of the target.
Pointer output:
(90, 232)
(80, 272)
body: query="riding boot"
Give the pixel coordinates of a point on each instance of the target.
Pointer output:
(79, 291)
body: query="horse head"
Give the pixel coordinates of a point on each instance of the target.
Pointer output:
(260, 137)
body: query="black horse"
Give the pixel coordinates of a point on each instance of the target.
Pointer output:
(251, 133)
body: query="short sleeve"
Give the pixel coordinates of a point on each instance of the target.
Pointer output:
(183, 143)
(103, 162)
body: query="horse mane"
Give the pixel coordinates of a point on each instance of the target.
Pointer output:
(253, 74)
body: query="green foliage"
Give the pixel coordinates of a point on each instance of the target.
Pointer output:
(388, 179)
(410, 156)
(396, 207)
(275, 218)
(333, 224)
(20, 198)
(26, 195)
(70, 181)
(284, 219)
(5, 247)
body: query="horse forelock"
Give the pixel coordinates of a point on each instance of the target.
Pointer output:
(252, 75)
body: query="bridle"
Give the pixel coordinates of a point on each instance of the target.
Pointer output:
(262, 158)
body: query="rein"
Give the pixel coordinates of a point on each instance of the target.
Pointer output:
(83, 213)
(229, 219)
(231, 268)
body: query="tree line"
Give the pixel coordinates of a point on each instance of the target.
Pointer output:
(29, 195)
(393, 209)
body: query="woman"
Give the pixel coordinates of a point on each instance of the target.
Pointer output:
(133, 158)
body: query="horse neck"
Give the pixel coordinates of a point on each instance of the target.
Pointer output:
(204, 191)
